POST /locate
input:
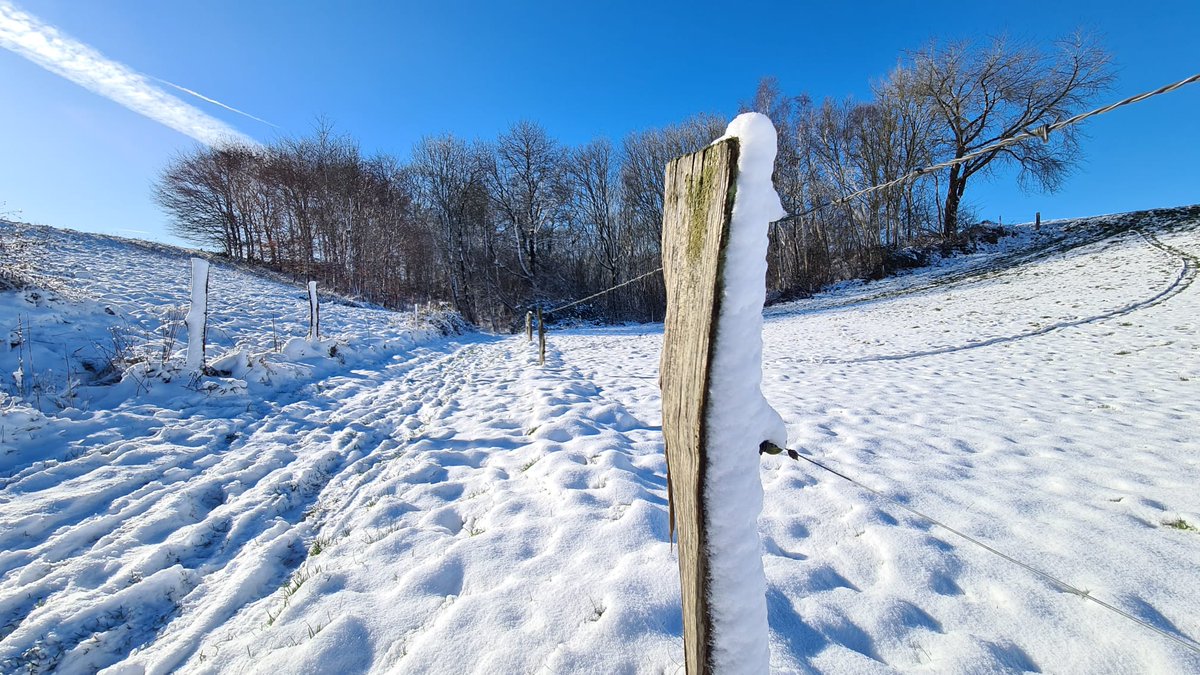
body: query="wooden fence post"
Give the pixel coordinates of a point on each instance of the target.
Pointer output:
(541, 338)
(529, 326)
(197, 316)
(314, 312)
(698, 205)
(1037, 221)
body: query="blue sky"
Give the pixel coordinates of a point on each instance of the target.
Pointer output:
(388, 73)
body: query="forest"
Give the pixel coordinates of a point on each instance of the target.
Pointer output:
(497, 227)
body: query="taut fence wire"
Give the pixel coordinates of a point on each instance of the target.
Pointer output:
(1042, 132)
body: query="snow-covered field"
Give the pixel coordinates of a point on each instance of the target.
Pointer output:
(418, 503)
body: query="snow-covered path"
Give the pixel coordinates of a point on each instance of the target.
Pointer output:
(451, 464)
(213, 507)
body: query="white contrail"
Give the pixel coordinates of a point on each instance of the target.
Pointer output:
(213, 101)
(61, 54)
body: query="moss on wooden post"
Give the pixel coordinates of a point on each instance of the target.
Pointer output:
(698, 205)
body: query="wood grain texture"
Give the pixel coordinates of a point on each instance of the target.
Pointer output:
(697, 206)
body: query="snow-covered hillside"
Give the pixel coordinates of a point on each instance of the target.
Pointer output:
(418, 503)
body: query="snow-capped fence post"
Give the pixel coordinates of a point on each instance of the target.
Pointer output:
(197, 316)
(541, 338)
(715, 418)
(314, 312)
(529, 326)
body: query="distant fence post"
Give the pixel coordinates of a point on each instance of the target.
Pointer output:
(529, 326)
(541, 338)
(197, 316)
(314, 312)
(698, 203)
(1037, 221)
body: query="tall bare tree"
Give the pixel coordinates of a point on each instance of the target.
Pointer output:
(529, 191)
(982, 95)
(497, 227)
(593, 170)
(450, 177)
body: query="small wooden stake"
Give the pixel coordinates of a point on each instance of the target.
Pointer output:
(541, 339)
(314, 312)
(197, 317)
(529, 326)
(1037, 221)
(698, 205)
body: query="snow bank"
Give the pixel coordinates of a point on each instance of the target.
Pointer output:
(103, 321)
(739, 417)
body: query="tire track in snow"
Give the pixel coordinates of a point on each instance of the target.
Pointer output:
(509, 473)
(372, 427)
(1084, 232)
(220, 521)
(1181, 282)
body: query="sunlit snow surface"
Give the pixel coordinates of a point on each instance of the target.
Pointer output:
(443, 505)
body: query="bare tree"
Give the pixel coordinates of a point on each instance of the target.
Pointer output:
(528, 190)
(313, 207)
(903, 139)
(498, 227)
(980, 96)
(450, 176)
(595, 180)
(205, 194)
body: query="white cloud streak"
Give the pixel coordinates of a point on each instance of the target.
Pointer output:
(214, 101)
(61, 54)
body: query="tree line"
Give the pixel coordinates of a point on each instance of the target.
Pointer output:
(500, 226)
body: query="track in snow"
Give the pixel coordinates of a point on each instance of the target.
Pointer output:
(186, 525)
(404, 505)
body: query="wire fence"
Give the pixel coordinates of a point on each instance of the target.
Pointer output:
(1069, 588)
(1042, 133)
(604, 292)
